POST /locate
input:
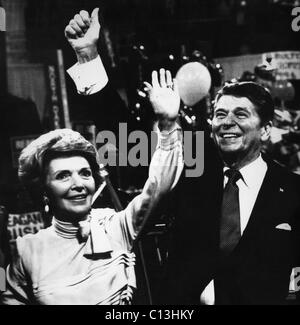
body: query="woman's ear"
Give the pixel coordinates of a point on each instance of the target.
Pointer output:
(266, 131)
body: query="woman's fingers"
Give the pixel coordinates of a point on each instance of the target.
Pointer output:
(163, 81)
(155, 82)
(162, 77)
(148, 86)
(169, 79)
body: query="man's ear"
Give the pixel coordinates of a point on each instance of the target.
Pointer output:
(266, 131)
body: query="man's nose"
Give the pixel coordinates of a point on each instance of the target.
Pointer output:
(229, 121)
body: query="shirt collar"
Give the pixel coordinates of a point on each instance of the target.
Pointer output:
(253, 173)
(65, 229)
(92, 230)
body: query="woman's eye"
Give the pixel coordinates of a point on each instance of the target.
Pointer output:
(62, 175)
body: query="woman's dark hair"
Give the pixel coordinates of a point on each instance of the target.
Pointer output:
(257, 94)
(54, 144)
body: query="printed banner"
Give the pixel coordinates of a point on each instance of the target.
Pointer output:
(57, 101)
(22, 224)
(287, 63)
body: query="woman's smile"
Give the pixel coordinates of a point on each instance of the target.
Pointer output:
(70, 186)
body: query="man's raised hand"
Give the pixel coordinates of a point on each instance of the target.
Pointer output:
(82, 33)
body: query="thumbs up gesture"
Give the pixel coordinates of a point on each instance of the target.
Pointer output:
(82, 33)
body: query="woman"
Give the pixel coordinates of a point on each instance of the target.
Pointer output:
(86, 256)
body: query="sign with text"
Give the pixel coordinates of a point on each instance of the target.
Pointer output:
(57, 100)
(287, 63)
(24, 223)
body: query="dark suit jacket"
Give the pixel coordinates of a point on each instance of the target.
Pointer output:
(258, 271)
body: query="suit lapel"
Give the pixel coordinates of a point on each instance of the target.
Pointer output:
(264, 208)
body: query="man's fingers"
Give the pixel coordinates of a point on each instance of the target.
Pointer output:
(85, 17)
(94, 16)
(78, 19)
(162, 77)
(70, 32)
(75, 26)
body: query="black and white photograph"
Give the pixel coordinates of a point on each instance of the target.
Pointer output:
(150, 155)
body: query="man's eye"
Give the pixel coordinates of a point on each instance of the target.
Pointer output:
(86, 173)
(63, 175)
(220, 115)
(241, 115)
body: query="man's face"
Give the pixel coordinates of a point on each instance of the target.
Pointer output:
(237, 129)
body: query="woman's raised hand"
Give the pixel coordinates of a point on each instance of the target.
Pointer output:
(164, 96)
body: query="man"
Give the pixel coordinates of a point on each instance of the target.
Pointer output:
(237, 253)
(236, 237)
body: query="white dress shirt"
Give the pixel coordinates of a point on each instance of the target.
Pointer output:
(252, 178)
(89, 77)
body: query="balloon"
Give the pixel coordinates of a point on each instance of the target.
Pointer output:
(283, 90)
(194, 82)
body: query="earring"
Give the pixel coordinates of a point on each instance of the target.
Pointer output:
(46, 204)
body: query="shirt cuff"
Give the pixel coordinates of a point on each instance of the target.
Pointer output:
(170, 139)
(89, 77)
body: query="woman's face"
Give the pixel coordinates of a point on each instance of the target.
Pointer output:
(70, 186)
